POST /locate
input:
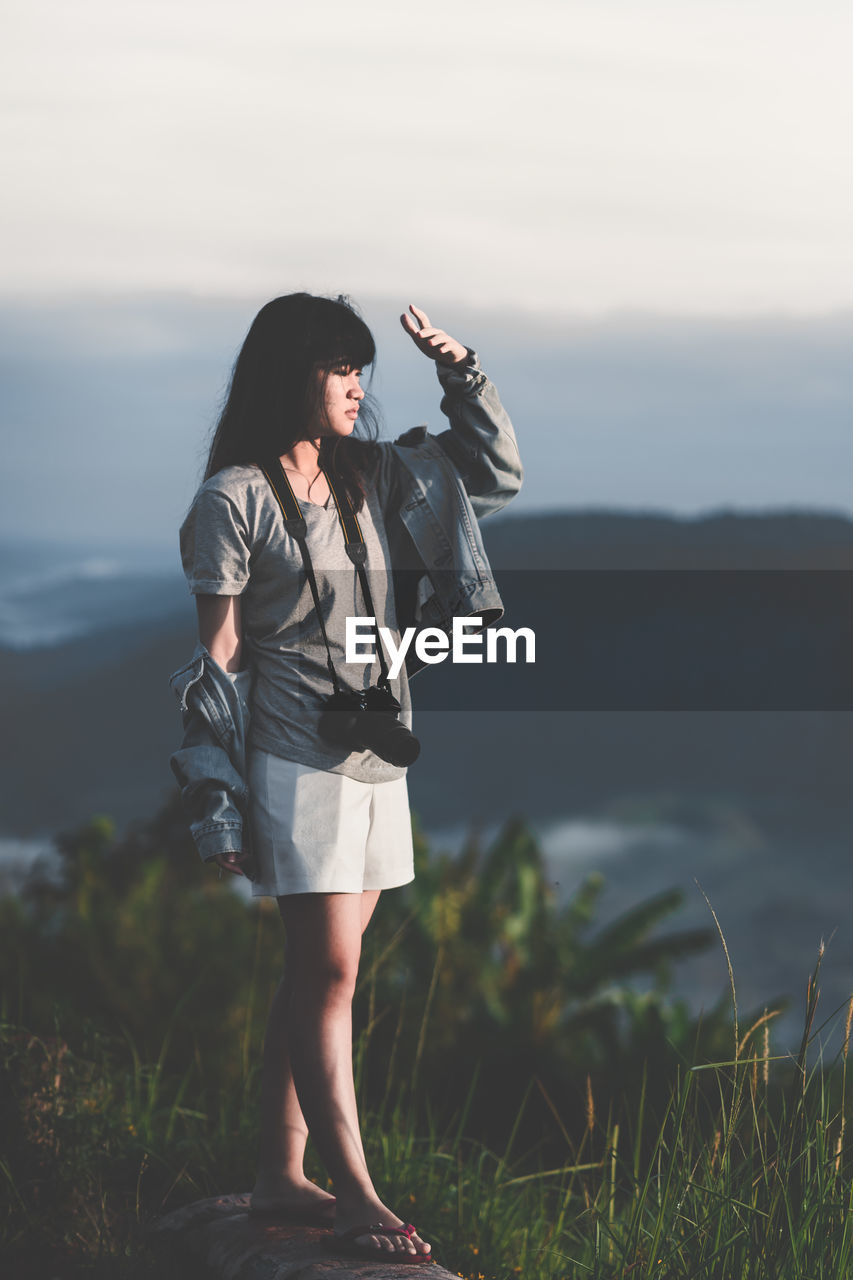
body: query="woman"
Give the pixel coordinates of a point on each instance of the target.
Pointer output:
(328, 820)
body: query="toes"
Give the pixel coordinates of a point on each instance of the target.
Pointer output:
(382, 1243)
(393, 1243)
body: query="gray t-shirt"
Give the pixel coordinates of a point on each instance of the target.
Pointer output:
(233, 542)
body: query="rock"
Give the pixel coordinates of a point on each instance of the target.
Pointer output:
(219, 1239)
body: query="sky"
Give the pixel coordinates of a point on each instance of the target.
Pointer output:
(639, 213)
(582, 157)
(109, 405)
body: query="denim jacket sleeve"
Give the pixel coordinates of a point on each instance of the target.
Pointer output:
(480, 442)
(213, 790)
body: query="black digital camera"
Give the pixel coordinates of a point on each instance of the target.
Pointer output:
(367, 721)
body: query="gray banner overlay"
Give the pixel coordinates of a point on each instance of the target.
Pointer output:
(666, 640)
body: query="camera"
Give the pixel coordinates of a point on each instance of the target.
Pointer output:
(367, 720)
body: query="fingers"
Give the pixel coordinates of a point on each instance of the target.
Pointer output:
(426, 337)
(421, 316)
(231, 862)
(442, 343)
(435, 343)
(417, 326)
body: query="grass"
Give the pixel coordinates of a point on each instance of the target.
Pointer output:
(746, 1174)
(702, 1154)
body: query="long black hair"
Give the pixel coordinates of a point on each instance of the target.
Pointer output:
(275, 394)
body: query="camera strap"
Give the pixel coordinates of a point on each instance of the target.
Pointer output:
(294, 523)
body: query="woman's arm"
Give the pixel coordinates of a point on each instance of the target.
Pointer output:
(481, 442)
(220, 629)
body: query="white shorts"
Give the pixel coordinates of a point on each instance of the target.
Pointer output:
(320, 832)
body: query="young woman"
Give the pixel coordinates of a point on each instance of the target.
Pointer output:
(327, 821)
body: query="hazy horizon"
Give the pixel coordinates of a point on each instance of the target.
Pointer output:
(108, 405)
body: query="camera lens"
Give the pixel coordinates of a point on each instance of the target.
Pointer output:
(368, 721)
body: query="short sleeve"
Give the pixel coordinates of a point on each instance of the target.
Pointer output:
(215, 545)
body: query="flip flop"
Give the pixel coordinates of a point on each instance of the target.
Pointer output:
(346, 1243)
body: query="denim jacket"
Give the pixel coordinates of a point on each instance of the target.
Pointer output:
(431, 490)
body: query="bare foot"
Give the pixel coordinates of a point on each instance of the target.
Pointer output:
(374, 1212)
(286, 1196)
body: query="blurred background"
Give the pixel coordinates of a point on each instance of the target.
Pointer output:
(638, 216)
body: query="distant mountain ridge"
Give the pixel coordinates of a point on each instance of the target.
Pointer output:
(600, 539)
(90, 724)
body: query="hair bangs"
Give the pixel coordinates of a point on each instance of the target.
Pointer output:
(340, 337)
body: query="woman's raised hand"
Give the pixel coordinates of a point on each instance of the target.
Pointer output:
(433, 342)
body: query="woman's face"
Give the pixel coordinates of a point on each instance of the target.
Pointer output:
(341, 401)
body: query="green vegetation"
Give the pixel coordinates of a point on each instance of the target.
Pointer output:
(522, 1102)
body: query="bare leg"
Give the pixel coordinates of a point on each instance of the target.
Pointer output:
(323, 950)
(281, 1181)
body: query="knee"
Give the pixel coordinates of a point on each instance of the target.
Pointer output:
(327, 982)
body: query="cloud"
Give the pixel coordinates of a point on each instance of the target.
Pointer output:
(583, 157)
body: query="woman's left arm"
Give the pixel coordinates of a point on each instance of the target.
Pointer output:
(481, 442)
